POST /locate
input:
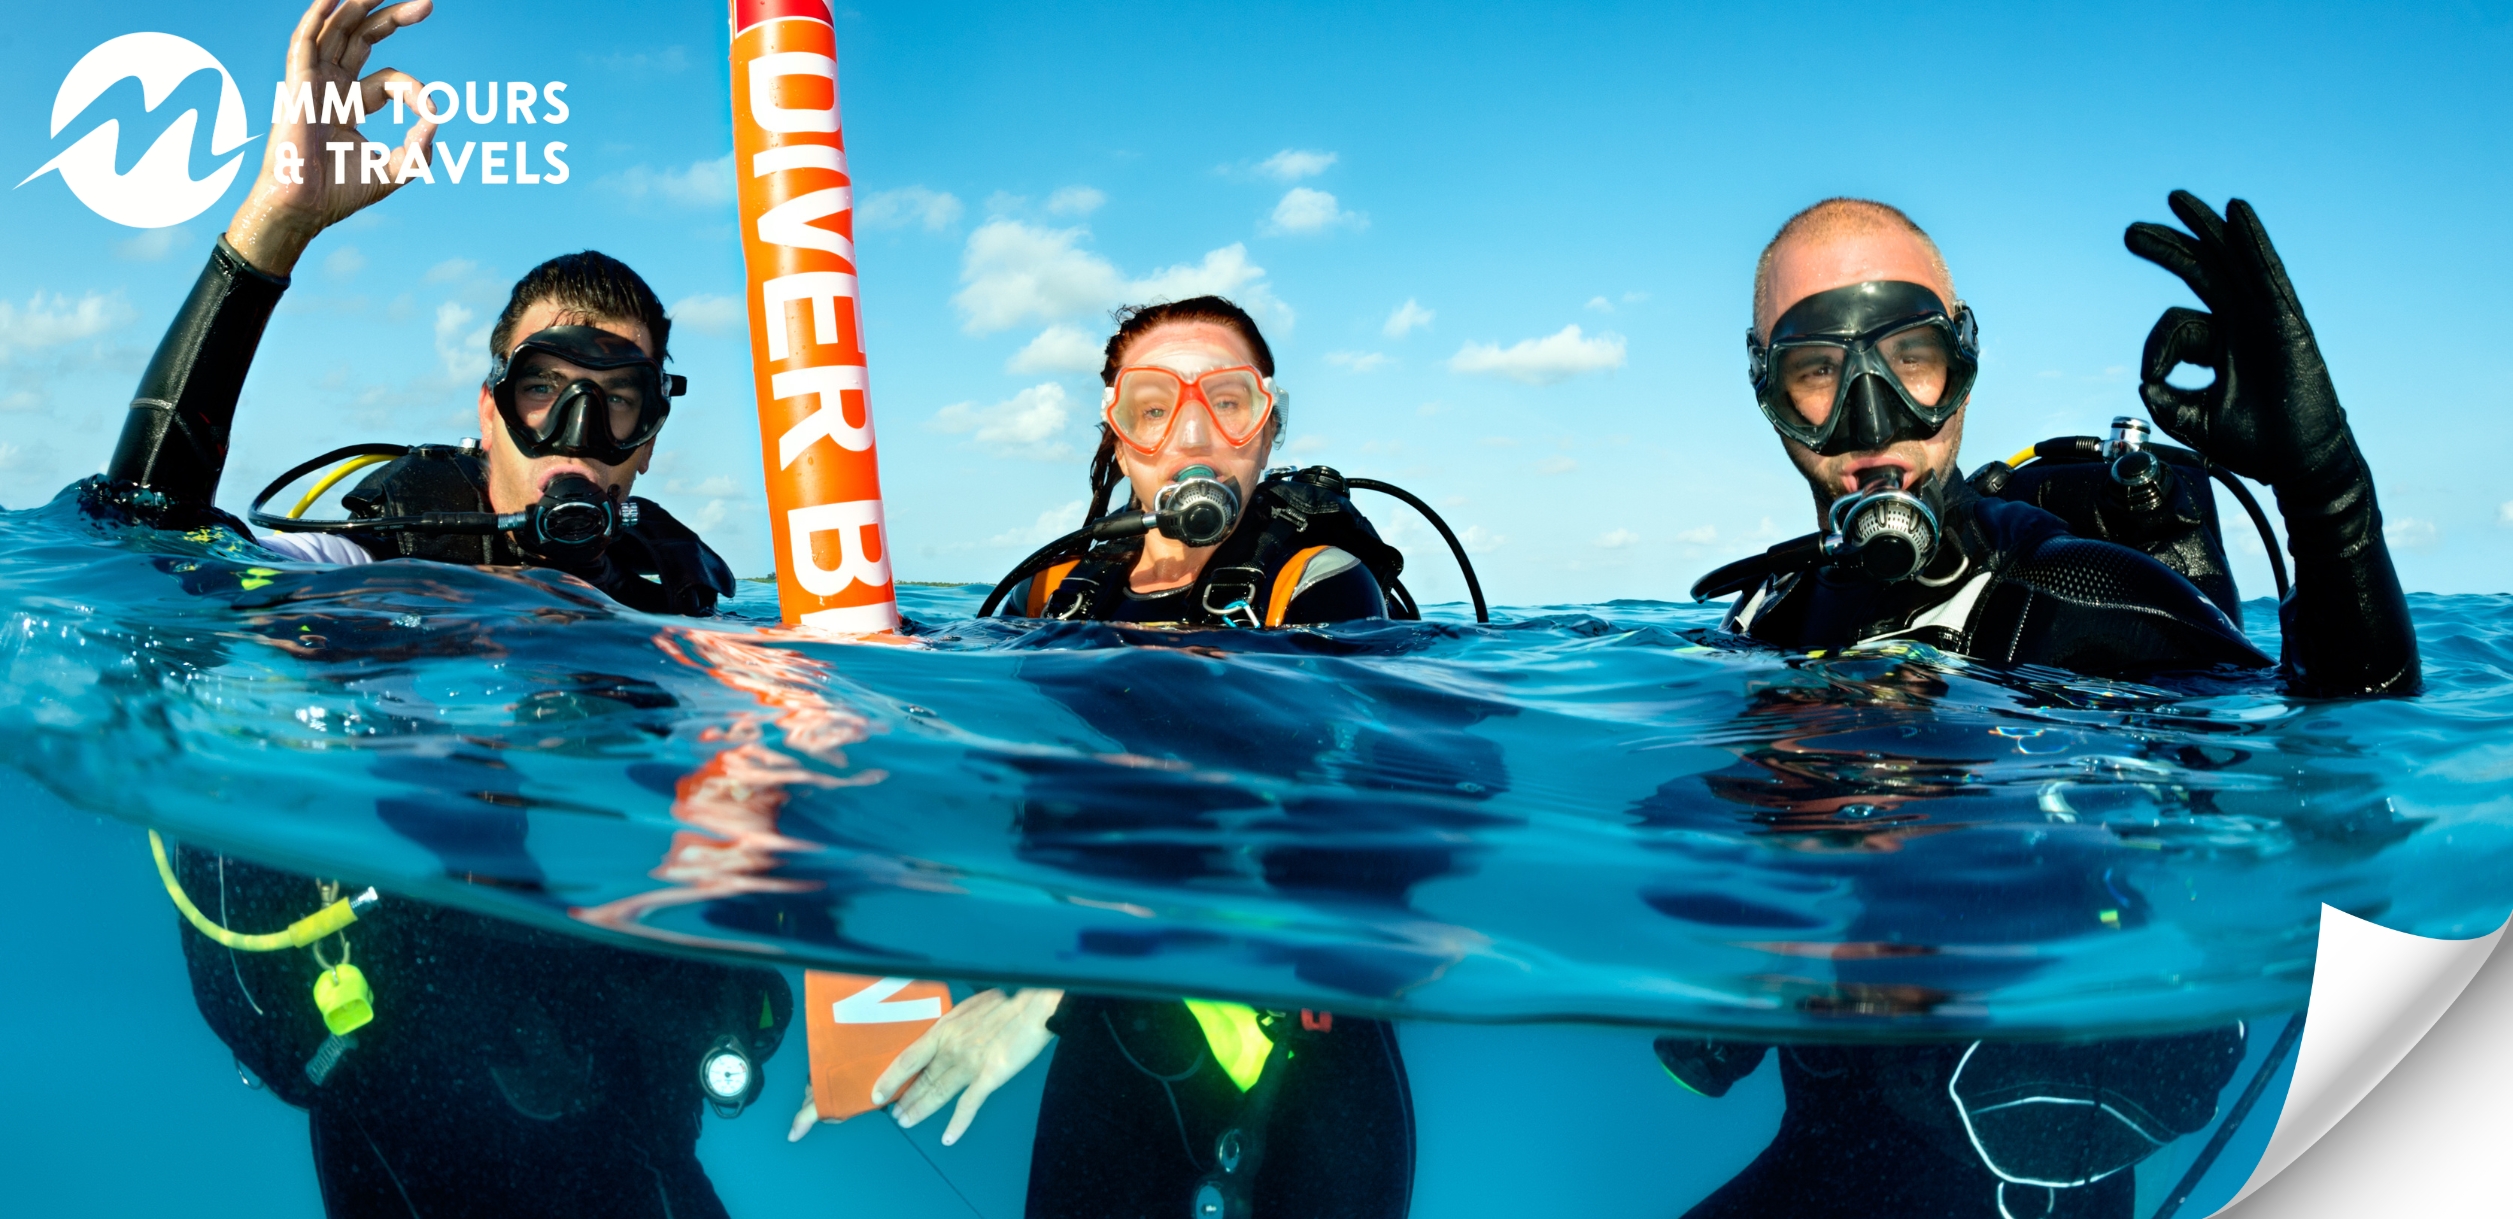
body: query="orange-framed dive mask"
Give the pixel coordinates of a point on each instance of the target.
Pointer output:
(1147, 402)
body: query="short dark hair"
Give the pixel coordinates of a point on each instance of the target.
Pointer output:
(589, 282)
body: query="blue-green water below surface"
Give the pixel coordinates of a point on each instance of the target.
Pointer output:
(1603, 813)
(1536, 844)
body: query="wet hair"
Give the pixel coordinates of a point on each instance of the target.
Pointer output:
(1133, 322)
(1842, 216)
(588, 282)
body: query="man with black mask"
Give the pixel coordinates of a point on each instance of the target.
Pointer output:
(1862, 358)
(512, 1070)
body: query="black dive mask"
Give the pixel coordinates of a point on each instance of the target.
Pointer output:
(1876, 362)
(549, 414)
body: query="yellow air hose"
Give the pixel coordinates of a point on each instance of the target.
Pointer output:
(304, 931)
(341, 471)
(2022, 456)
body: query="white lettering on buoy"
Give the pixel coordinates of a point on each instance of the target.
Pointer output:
(868, 1006)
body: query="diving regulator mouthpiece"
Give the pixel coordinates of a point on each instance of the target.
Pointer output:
(574, 518)
(1197, 507)
(1883, 531)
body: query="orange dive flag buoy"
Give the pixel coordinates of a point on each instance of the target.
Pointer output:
(797, 215)
(857, 1025)
(797, 206)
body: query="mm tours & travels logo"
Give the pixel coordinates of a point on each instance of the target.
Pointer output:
(159, 190)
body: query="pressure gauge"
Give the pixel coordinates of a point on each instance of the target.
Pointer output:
(727, 1076)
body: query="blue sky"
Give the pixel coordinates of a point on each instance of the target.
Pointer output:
(1419, 200)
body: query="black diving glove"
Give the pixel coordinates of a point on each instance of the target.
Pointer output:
(2272, 415)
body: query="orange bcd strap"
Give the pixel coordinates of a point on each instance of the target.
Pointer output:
(1043, 587)
(1287, 583)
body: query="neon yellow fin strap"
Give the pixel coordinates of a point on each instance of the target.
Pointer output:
(304, 931)
(1231, 1032)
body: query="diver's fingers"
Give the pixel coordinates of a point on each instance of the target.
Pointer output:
(804, 1118)
(905, 1067)
(379, 27)
(2256, 255)
(2198, 217)
(970, 1102)
(302, 42)
(2173, 251)
(332, 45)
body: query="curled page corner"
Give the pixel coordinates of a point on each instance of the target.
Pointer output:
(2375, 992)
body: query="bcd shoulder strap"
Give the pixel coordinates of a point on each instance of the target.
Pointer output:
(431, 478)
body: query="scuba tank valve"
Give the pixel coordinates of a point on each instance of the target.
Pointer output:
(1882, 530)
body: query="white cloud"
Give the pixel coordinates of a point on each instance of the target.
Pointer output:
(1075, 201)
(2410, 533)
(1557, 464)
(708, 314)
(1293, 164)
(1358, 361)
(462, 356)
(1555, 357)
(1050, 525)
(1479, 539)
(1698, 535)
(1304, 445)
(1028, 424)
(1599, 304)
(152, 245)
(1016, 272)
(699, 184)
(1304, 211)
(1407, 318)
(344, 262)
(2504, 514)
(450, 270)
(1059, 348)
(48, 322)
(1617, 539)
(931, 210)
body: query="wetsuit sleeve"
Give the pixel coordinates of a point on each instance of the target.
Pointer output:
(2097, 607)
(2346, 622)
(174, 440)
(1335, 587)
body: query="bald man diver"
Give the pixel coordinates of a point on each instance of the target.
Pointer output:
(1862, 358)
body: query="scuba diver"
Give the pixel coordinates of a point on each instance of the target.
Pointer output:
(2103, 558)
(1196, 1107)
(450, 1063)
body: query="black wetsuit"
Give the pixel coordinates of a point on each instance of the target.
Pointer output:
(1870, 1130)
(1136, 1106)
(508, 1071)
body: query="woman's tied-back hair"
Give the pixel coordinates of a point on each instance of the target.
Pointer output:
(587, 282)
(1133, 322)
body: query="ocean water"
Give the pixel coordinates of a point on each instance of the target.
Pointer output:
(1537, 842)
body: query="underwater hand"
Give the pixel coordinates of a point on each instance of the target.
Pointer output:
(293, 200)
(977, 1046)
(2272, 414)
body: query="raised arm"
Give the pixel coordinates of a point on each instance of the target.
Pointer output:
(174, 441)
(2272, 415)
